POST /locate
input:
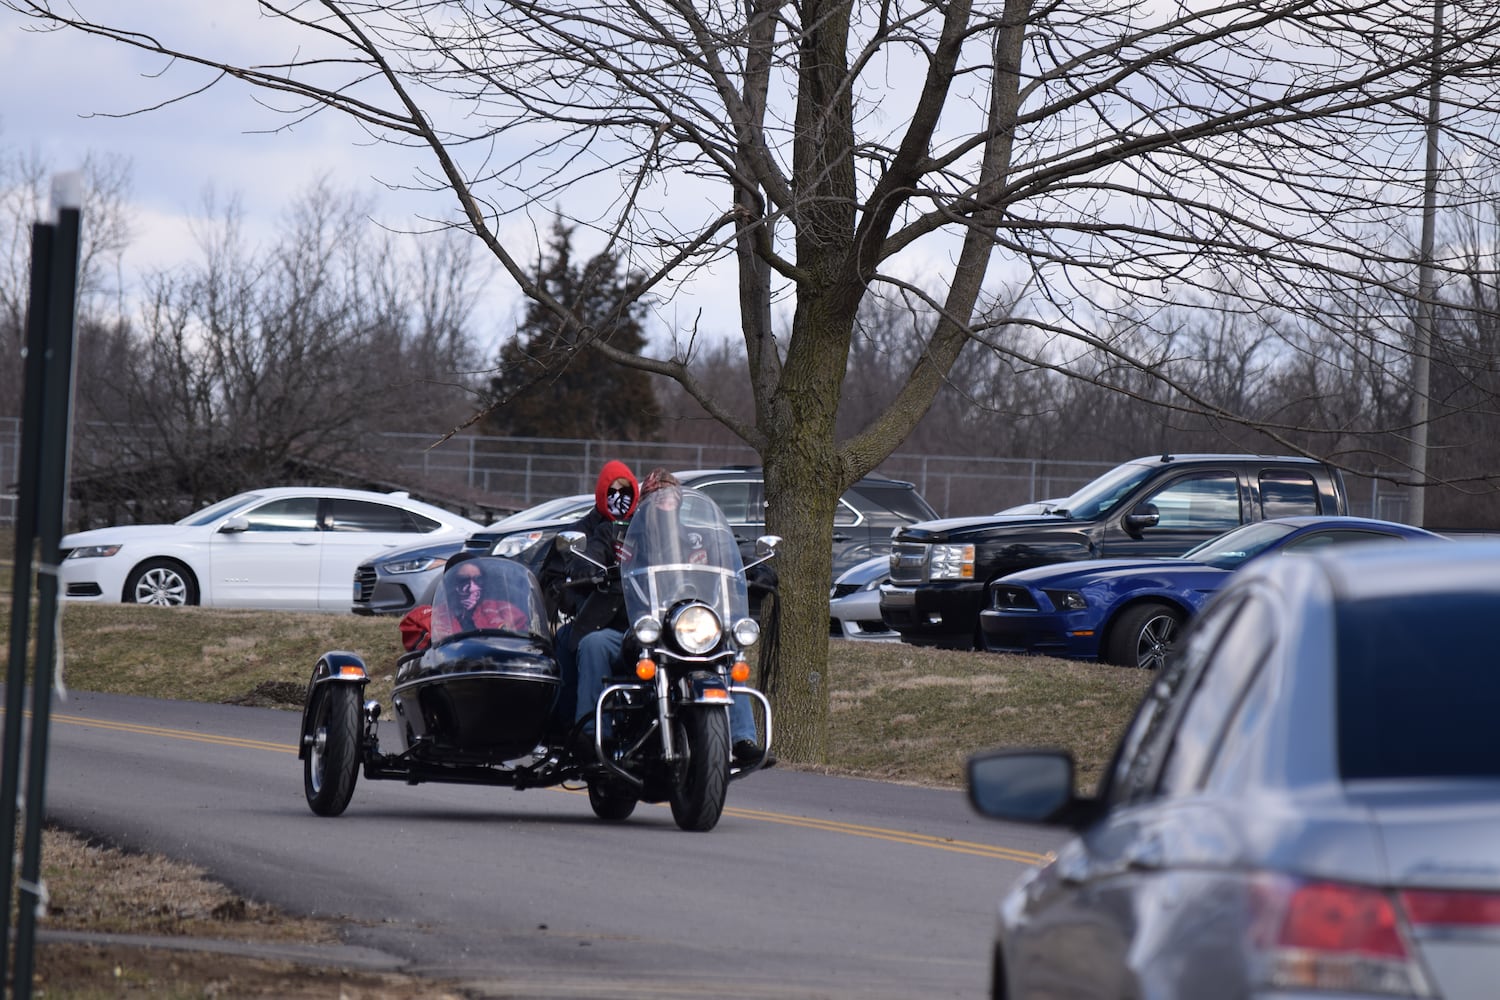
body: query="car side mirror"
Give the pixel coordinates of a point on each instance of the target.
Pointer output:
(1022, 786)
(234, 526)
(1144, 516)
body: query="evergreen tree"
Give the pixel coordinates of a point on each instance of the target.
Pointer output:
(547, 384)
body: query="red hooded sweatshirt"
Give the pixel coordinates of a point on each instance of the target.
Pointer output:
(615, 470)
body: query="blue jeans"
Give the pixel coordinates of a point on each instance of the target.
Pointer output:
(598, 655)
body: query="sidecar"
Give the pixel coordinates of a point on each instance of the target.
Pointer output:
(468, 706)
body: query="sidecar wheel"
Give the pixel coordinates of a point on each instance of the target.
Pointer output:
(610, 802)
(332, 763)
(698, 799)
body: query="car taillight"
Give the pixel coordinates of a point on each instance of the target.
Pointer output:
(1320, 935)
(1438, 908)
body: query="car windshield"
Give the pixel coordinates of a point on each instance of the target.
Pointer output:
(547, 510)
(215, 511)
(1099, 497)
(1418, 701)
(1238, 545)
(679, 547)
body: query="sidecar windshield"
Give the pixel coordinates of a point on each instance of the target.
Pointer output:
(487, 594)
(680, 547)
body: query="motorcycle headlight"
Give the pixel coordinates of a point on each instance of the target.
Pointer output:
(647, 630)
(746, 632)
(696, 628)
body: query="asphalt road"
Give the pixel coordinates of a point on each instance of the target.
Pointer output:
(810, 886)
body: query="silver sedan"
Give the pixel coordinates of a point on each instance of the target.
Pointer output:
(1307, 803)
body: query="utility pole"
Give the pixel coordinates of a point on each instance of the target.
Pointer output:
(1426, 285)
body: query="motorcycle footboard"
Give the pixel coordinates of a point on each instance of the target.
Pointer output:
(413, 772)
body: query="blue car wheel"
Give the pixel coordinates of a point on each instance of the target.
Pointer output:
(1143, 636)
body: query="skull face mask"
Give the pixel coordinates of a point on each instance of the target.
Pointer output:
(618, 500)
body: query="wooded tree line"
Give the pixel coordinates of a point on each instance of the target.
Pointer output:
(258, 364)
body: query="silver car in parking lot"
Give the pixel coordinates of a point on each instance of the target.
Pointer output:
(1306, 804)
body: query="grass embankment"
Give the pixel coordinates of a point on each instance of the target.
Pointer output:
(897, 712)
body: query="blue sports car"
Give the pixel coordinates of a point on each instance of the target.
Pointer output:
(1128, 611)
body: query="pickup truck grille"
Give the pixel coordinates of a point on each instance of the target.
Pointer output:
(909, 562)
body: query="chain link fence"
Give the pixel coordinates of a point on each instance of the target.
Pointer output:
(505, 474)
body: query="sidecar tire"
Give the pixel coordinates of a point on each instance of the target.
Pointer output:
(332, 763)
(698, 798)
(610, 802)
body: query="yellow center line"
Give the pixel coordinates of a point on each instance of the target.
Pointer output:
(784, 819)
(178, 734)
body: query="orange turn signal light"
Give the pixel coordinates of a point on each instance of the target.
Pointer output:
(645, 668)
(715, 694)
(351, 671)
(740, 672)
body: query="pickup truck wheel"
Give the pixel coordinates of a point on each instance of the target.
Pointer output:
(1143, 636)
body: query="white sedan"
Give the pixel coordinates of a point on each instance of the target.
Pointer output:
(283, 547)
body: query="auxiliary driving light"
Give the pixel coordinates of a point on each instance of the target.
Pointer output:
(746, 632)
(647, 630)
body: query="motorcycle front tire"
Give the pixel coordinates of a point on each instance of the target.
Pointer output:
(698, 796)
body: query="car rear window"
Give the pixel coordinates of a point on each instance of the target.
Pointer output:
(898, 498)
(1287, 493)
(1418, 687)
(360, 515)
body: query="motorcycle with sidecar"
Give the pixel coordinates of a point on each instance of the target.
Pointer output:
(477, 705)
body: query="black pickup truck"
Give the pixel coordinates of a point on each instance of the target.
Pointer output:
(1154, 506)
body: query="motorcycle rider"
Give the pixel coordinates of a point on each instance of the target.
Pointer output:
(744, 744)
(588, 644)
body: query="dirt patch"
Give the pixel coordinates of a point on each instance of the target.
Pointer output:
(273, 694)
(69, 971)
(208, 936)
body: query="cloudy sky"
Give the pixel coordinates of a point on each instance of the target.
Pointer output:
(65, 90)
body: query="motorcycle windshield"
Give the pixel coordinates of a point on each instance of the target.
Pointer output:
(487, 594)
(679, 547)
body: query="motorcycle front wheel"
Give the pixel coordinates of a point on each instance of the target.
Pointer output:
(332, 763)
(698, 796)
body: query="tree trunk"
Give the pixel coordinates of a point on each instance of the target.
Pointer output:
(802, 514)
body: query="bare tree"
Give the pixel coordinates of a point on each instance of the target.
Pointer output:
(251, 359)
(1097, 154)
(24, 196)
